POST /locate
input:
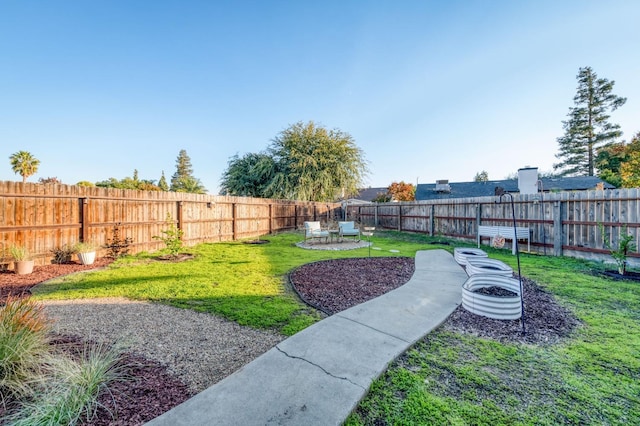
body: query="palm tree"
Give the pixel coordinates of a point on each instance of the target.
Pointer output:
(24, 164)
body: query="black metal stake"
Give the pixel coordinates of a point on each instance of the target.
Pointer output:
(499, 191)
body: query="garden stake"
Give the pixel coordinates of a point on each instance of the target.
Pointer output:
(499, 191)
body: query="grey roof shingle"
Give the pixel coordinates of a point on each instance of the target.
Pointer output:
(427, 191)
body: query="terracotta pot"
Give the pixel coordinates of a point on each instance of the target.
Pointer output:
(87, 258)
(23, 267)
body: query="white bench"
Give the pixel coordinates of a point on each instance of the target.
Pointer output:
(507, 233)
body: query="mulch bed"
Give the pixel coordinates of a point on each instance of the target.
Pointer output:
(335, 285)
(14, 285)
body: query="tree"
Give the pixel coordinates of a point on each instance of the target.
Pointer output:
(382, 197)
(53, 180)
(129, 183)
(482, 176)
(608, 162)
(402, 191)
(316, 164)
(24, 164)
(304, 162)
(190, 184)
(184, 172)
(588, 126)
(249, 175)
(630, 169)
(162, 183)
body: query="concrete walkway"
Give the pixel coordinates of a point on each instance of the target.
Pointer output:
(319, 375)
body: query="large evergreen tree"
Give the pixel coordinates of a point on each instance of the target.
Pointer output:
(24, 164)
(587, 127)
(183, 179)
(162, 183)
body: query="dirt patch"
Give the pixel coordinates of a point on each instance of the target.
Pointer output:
(180, 257)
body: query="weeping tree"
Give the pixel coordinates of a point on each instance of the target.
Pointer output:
(249, 175)
(304, 162)
(24, 164)
(588, 127)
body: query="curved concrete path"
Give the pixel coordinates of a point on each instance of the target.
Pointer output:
(319, 375)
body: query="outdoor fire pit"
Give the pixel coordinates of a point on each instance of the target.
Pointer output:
(492, 296)
(484, 265)
(461, 255)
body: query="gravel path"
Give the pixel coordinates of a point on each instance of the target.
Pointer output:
(199, 348)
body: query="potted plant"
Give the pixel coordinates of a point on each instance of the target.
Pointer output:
(23, 263)
(86, 252)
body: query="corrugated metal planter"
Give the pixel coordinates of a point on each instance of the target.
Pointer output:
(484, 265)
(497, 307)
(461, 254)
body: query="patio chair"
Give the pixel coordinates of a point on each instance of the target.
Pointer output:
(313, 230)
(349, 229)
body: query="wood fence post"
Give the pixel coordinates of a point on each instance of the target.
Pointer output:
(295, 217)
(557, 228)
(84, 217)
(270, 219)
(399, 217)
(234, 216)
(478, 216)
(315, 211)
(375, 216)
(180, 224)
(432, 222)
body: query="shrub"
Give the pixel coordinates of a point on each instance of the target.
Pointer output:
(62, 254)
(117, 246)
(172, 237)
(72, 393)
(23, 346)
(625, 245)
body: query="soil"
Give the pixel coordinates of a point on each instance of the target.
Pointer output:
(331, 286)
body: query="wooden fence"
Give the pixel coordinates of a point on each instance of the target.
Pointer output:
(43, 217)
(563, 223)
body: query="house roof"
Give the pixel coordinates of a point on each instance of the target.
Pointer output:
(369, 194)
(427, 191)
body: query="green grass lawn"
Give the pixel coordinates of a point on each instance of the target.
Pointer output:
(242, 282)
(593, 378)
(447, 378)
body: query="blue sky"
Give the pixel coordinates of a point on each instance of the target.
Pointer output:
(428, 89)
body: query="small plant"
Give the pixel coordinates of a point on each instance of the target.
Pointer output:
(62, 254)
(172, 237)
(117, 246)
(85, 247)
(625, 245)
(19, 253)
